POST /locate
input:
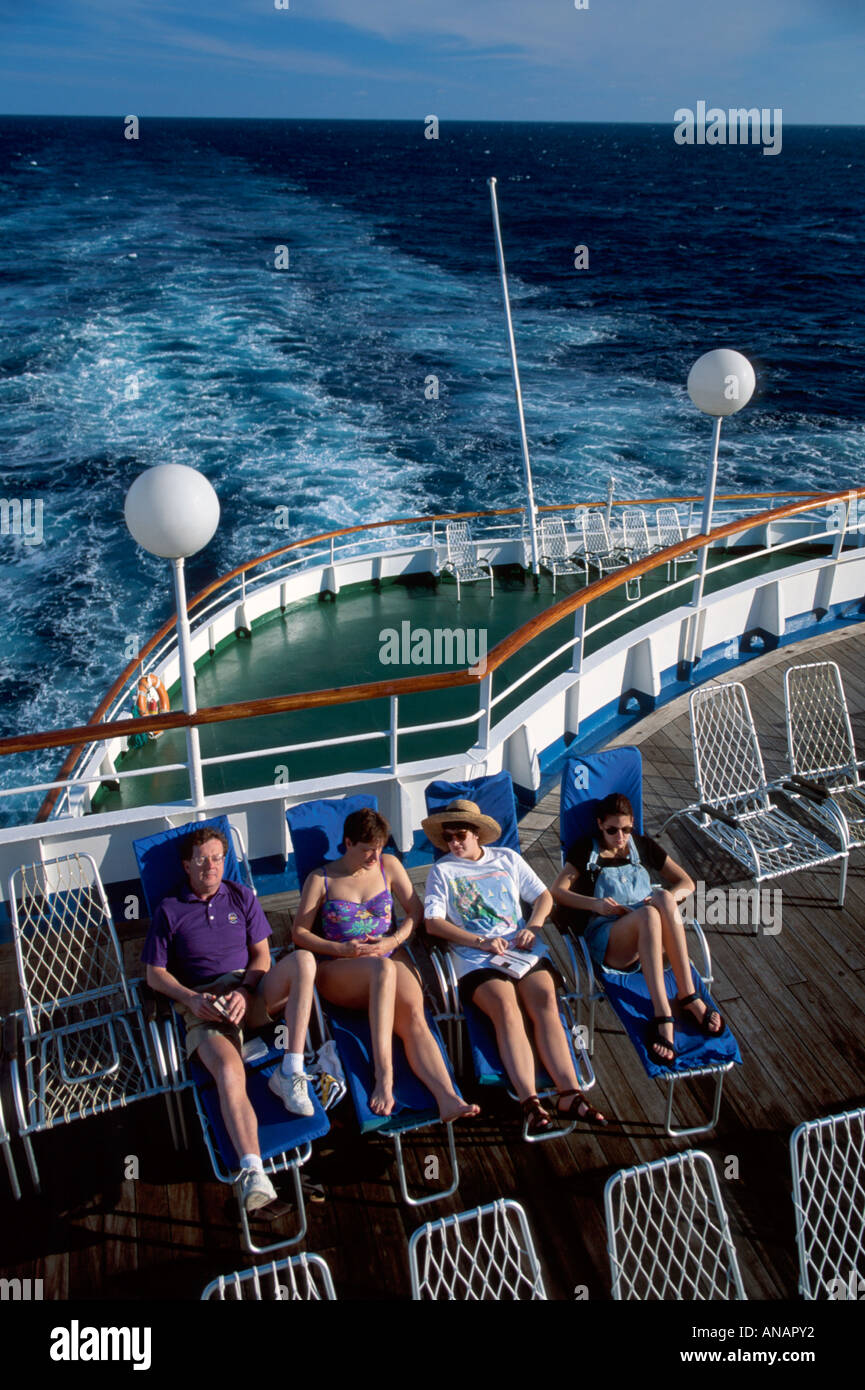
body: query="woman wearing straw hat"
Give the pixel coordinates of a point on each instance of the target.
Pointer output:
(473, 901)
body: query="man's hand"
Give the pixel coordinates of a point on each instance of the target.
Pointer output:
(235, 1004)
(203, 1007)
(525, 939)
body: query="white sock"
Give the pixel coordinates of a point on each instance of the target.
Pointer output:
(292, 1064)
(252, 1161)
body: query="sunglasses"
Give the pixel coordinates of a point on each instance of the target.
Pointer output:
(615, 830)
(454, 835)
(199, 859)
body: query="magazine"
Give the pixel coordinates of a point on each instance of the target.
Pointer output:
(514, 964)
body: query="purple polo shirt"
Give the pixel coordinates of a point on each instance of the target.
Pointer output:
(198, 940)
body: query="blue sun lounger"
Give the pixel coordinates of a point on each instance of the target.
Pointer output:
(586, 780)
(286, 1140)
(316, 836)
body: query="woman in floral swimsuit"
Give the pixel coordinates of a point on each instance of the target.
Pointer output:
(361, 963)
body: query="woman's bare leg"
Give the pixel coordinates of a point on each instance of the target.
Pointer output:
(641, 929)
(368, 983)
(538, 993)
(676, 947)
(421, 1049)
(498, 1000)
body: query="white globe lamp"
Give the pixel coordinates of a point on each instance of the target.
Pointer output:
(720, 383)
(173, 511)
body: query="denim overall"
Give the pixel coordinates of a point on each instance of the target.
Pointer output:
(628, 883)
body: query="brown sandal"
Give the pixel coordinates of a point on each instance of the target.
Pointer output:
(537, 1118)
(580, 1109)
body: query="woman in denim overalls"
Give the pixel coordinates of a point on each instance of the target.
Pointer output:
(632, 922)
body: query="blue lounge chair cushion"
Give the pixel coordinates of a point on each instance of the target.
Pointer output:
(159, 863)
(494, 795)
(278, 1131)
(486, 1060)
(316, 829)
(628, 993)
(414, 1106)
(587, 779)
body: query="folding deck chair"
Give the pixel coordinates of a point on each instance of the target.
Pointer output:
(555, 554)
(484, 1254)
(286, 1140)
(828, 1161)
(669, 529)
(600, 552)
(316, 834)
(586, 780)
(636, 544)
(495, 796)
(297, 1278)
(821, 751)
(84, 1045)
(463, 561)
(735, 809)
(668, 1236)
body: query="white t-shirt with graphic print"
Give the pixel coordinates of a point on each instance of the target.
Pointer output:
(482, 896)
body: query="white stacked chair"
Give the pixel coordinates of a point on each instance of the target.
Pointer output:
(556, 556)
(821, 751)
(595, 544)
(828, 1161)
(463, 561)
(735, 809)
(486, 1254)
(84, 1043)
(668, 1236)
(670, 533)
(299, 1278)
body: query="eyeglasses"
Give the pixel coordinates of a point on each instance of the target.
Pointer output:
(454, 835)
(615, 830)
(200, 859)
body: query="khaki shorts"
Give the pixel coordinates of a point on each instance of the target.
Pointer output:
(197, 1029)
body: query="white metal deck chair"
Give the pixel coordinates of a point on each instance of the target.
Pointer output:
(670, 533)
(486, 1254)
(6, 1145)
(463, 561)
(84, 1043)
(828, 1161)
(735, 808)
(300, 1278)
(596, 545)
(555, 554)
(821, 750)
(668, 1236)
(636, 542)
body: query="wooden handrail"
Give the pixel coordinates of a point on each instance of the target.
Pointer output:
(407, 685)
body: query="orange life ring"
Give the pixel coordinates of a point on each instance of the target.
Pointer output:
(152, 697)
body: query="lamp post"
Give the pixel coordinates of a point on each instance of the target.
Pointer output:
(719, 383)
(173, 512)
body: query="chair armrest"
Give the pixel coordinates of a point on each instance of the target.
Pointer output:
(713, 811)
(812, 791)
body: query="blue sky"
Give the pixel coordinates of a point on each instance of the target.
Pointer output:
(619, 60)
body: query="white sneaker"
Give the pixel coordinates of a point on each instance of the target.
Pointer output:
(292, 1091)
(256, 1189)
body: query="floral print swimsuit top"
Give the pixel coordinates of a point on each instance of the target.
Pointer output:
(342, 920)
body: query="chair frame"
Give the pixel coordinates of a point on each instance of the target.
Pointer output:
(739, 815)
(669, 528)
(510, 1234)
(309, 1267)
(117, 1036)
(809, 1143)
(555, 555)
(692, 1162)
(463, 561)
(824, 773)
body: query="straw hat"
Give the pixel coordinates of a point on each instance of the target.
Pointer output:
(461, 812)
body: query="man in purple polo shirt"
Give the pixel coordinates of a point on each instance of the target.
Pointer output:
(207, 950)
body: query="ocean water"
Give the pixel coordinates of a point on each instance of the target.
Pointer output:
(143, 320)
